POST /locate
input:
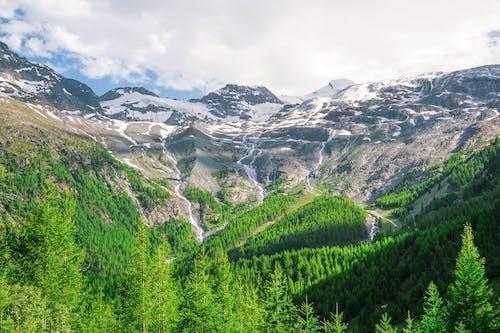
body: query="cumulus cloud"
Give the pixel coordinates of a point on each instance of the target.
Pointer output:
(291, 46)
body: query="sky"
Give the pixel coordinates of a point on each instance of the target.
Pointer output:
(186, 48)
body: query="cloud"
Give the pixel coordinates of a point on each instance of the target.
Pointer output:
(291, 46)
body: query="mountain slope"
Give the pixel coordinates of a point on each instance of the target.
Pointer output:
(35, 83)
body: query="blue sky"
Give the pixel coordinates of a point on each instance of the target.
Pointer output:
(186, 48)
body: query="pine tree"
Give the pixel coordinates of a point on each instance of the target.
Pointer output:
(135, 294)
(249, 314)
(162, 295)
(224, 292)
(57, 259)
(199, 311)
(280, 311)
(385, 326)
(307, 321)
(410, 327)
(336, 324)
(470, 295)
(434, 317)
(99, 317)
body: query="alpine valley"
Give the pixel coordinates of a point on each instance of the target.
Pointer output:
(359, 207)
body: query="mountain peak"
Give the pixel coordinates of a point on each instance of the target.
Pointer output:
(331, 88)
(117, 92)
(238, 100)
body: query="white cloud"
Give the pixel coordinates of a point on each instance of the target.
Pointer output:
(290, 46)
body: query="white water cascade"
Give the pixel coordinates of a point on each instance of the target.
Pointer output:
(200, 234)
(249, 169)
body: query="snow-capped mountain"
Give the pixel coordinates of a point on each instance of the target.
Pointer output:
(358, 139)
(330, 89)
(137, 103)
(230, 103)
(244, 102)
(31, 82)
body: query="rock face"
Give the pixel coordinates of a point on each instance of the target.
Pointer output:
(239, 101)
(35, 83)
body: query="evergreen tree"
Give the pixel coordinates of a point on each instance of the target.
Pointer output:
(136, 292)
(280, 311)
(307, 321)
(162, 295)
(336, 324)
(385, 326)
(56, 259)
(434, 317)
(99, 317)
(223, 289)
(410, 327)
(199, 311)
(470, 295)
(249, 314)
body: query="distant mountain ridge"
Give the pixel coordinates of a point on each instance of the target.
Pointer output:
(31, 82)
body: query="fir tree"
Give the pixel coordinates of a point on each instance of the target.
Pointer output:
(135, 294)
(99, 317)
(224, 292)
(249, 314)
(470, 295)
(410, 326)
(307, 321)
(162, 296)
(57, 259)
(199, 311)
(280, 311)
(385, 326)
(434, 317)
(336, 324)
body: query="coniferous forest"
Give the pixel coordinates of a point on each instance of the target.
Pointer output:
(77, 256)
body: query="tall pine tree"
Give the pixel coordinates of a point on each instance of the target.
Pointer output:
(434, 317)
(385, 326)
(307, 321)
(56, 259)
(199, 311)
(280, 311)
(470, 295)
(336, 323)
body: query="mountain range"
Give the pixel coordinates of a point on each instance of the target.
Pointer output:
(361, 140)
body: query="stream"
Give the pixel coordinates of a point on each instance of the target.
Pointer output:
(249, 170)
(198, 230)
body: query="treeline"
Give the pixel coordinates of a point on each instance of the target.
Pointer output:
(327, 220)
(457, 171)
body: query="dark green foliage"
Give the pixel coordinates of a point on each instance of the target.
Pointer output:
(325, 221)
(240, 225)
